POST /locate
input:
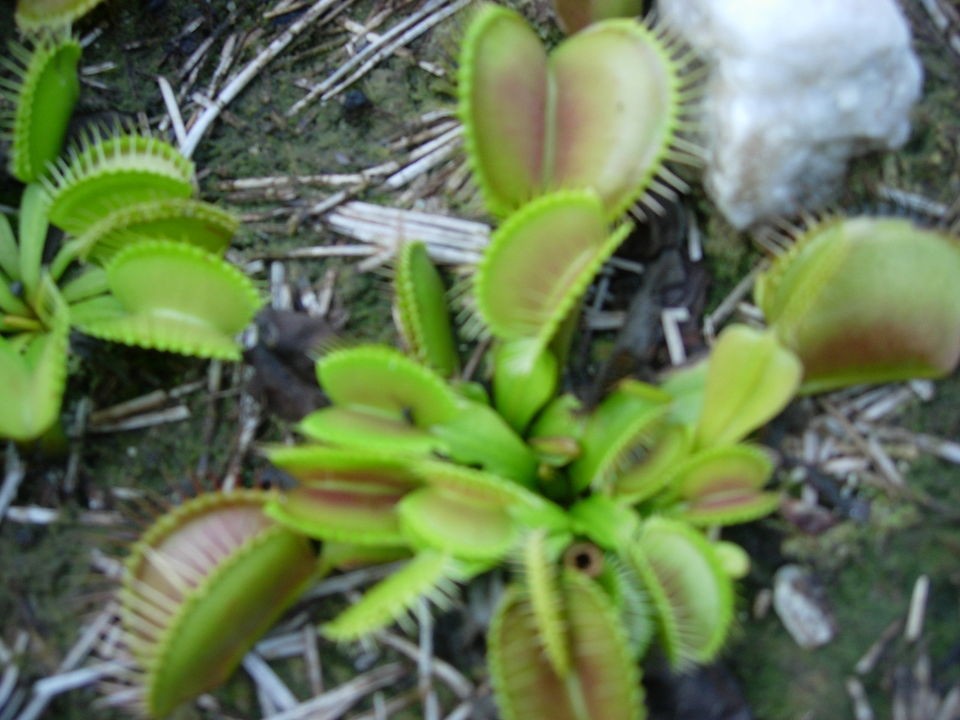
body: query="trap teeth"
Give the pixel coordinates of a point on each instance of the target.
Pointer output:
(44, 96)
(200, 587)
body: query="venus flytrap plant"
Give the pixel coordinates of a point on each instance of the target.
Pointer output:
(627, 483)
(34, 324)
(140, 263)
(606, 515)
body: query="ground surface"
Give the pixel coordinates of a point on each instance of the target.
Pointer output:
(877, 450)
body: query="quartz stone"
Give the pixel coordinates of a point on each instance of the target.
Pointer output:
(795, 89)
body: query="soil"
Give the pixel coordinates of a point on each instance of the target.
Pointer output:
(865, 567)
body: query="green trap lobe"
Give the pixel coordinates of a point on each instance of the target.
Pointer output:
(503, 104)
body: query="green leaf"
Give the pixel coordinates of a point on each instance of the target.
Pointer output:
(33, 382)
(750, 378)
(544, 594)
(603, 681)
(201, 586)
(451, 521)
(690, 589)
(347, 496)
(46, 93)
(10, 304)
(32, 15)
(600, 112)
(9, 253)
(366, 428)
(477, 435)
(88, 284)
(429, 575)
(104, 174)
(421, 310)
(484, 487)
(558, 431)
(626, 424)
(540, 262)
(503, 87)
(626, 590)
(181, 220)
(383, 381)
(174, 297)
(866, 300)
(655, 468)
(525, 377)
(723, 486)
(33, 237)
(574, 15)
(686, 388)
(606, 522)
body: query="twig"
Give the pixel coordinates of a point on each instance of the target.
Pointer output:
(250, 71)
(12, 477)
(311, 658)
(427, 156)
(37, 515)
(46, 689)
(670, 319)
(448, 239)
(458, 683)
(88, 638)
(726, 307)
(334, 703)
(348, 581)
(918, 607)
(143, 402)
(249, 420)
(392, 707)
(372, 54)
(858, 696)
(428, 695)
(170, 415)
(869, 446)
(77, 430)
(320, 251)
(268, 683)
(869, 660)
(173, 110)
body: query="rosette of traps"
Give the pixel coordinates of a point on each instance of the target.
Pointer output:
(140, 261)
(600, 513)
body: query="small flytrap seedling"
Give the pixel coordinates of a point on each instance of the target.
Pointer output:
(607, 517)
(140, 262)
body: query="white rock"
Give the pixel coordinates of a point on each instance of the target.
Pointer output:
(795, 90)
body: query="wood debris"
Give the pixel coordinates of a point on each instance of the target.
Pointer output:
(801, 607)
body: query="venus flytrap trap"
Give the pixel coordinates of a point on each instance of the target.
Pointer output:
(214, 557)
(42, 96)
(601, 111)
(574, 15)
(36, 15)
(866, 300)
